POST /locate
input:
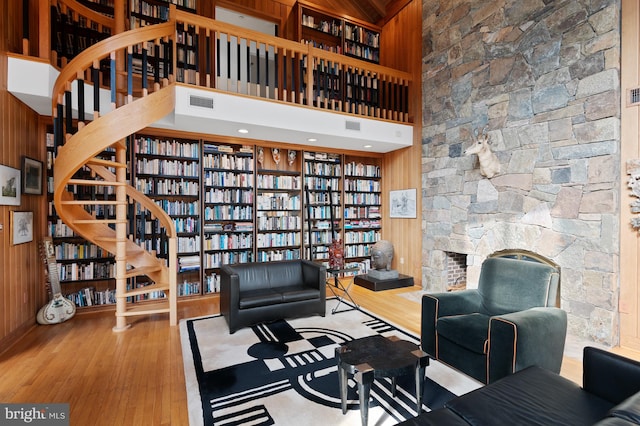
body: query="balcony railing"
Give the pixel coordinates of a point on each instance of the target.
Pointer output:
(210, 54)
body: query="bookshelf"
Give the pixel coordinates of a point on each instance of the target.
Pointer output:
(322, 181)
(362, 207)
(168, 171)
(228, 198)
(231, 203)
(278, 205)
(328, 31)
(158, 56)
(71, 33)
(86, 271)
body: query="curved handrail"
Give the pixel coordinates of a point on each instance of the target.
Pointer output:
(101, 133)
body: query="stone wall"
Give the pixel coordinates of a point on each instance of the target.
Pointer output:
(543, 76)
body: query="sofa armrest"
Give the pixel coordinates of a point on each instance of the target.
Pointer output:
(609, 376)
(229, 295)
(521, 339)
(315, 275)
(438, 305)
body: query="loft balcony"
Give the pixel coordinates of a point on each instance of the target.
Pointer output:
(229, 78)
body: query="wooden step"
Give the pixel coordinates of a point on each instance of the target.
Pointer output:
(144, 290)
(143, 270)
(105, 163)
(95, 182)
(111, 239)
(107, 221)
(95, 202)
(146, 308)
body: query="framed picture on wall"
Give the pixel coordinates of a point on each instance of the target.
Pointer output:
(21, 227)
(403, 203)
(9, 186)
(31, 176)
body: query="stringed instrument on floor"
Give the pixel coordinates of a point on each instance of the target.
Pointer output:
(59, 309)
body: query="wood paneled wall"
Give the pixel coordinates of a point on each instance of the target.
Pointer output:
(629, 303)
(400, 47)
(22, 289)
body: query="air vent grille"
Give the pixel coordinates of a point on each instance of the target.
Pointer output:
(634, 96)
(352, 125)
(200, 101)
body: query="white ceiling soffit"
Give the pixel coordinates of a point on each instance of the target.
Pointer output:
(218, 113)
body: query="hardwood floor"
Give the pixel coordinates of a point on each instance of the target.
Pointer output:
(136, 377)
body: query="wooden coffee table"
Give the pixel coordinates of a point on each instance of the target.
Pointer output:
(378, 356)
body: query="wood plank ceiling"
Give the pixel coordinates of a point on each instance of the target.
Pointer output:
(372, 11)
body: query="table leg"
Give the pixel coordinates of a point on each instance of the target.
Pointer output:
(364, 379)
(342, 382)
(419, 386)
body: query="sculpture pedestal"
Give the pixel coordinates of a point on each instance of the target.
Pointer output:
(374, 284)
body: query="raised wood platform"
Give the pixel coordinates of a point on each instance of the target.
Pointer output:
(378, 285)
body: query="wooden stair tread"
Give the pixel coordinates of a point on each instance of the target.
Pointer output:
(94, 202)
(105, 163)
(95, 182)
(111, 239)
(81, 221)
(143, 270)
(146, 308)
(145, 290)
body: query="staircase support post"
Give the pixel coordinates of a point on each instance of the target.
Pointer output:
(121, 236)
(173, 282)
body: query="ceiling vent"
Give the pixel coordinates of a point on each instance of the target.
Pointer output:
(201, 101)
(352, 125)
(633, 97)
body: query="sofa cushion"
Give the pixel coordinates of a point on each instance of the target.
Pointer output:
(259, 297)
(282, 274)
(469, 331)
(533, 396)
(295, 293)
(629, 409)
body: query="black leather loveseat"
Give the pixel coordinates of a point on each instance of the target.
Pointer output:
(534, 396)
(252, 293)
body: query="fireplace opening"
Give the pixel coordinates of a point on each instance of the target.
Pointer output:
(456, 271)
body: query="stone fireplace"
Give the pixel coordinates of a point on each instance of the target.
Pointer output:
(543, 77)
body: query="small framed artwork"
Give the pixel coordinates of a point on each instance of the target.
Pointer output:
(21, 227)
(9, 186)
(403, 203)
(31, 176)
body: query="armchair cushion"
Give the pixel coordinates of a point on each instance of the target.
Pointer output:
(468, 331)
(510, 285)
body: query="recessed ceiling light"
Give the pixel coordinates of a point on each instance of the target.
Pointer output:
(312, 140)
(367, 146)
(243, 131)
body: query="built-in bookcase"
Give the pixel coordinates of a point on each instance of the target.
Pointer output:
(168, 171)
(323, 203)
(86, 271)
(362, 204)
(328, 31)
(228, 197)
(231, 203)
(278, 205)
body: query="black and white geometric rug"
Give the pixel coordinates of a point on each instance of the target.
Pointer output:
(284, 373)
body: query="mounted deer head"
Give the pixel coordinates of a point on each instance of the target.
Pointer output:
(489, 164)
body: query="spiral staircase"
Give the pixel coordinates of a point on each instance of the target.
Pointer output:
(137, 100)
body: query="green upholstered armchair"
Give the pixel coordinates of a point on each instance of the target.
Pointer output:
(508, 323)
